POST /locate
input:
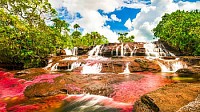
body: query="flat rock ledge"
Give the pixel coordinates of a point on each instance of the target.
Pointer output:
(178, 97)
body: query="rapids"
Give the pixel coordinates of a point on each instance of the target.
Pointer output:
(84, 79)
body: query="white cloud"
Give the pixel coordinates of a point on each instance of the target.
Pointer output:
(56, 3)
(145, 21)
(128, 24)
(114, 18)
(150, 16)
(91, 19)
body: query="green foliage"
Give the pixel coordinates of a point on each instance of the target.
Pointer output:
(181, 30)
(123, 38)
(26, 39)
(89, 39)
(76, 26)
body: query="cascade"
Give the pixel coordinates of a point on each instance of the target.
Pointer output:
(89, 68)
(74, 65)
(94, 54)
(134, 50)
(171, 65)
(157, 51)
(68, 52)
(72, 52)
(117, 50)
(49, 64)
(126, 70)
(95, 51)
(122, 50)
(55, 67)
(129, 48)
(95, 103)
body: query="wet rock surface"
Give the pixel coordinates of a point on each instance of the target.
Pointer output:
(193, 69)
(30, 74)
(141, 65)
(114, 65)
(169, 98)
(78, 84)
(191, 60)
(189, 72)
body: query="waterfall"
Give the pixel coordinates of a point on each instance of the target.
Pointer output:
(94, 54)
(117, 50)
(171, 65)
(128, 47)
(95, 51)
(89, 68)
(126, 70)
(122, 50)
(134, 50)
(68, 52)
(72, 52)
(93, 103)
(49, 64)
(74, 65)
(55, 67)
(157, 51)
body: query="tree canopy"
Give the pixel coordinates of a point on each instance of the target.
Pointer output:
(123, 38)
(181, 29)
(25, 37)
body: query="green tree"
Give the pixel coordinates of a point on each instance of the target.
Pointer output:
(181, 30)
(76, 35)
(123, 38)
(25, 38)
(93, 38)
(76, 26)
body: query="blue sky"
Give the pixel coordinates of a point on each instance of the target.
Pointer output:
(109, 17)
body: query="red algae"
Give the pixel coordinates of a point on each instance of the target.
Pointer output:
(24, 108)
(131, 91)
(125, 94)
(12, 89)
(2, 106)
(11, 86)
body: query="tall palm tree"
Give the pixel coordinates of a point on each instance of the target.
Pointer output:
(76, 26)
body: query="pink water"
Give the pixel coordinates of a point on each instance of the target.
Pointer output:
(131, 91)
(124, 96)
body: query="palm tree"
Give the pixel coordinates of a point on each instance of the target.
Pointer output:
(76, 26)
(122, 37)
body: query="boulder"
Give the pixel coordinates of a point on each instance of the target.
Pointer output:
(141, 65)
(189, 72)
(191, 60)
(169, 98)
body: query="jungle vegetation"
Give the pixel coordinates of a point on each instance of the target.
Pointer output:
(181, 29)
(27, 39)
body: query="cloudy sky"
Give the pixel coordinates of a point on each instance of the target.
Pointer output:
(109, 17)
